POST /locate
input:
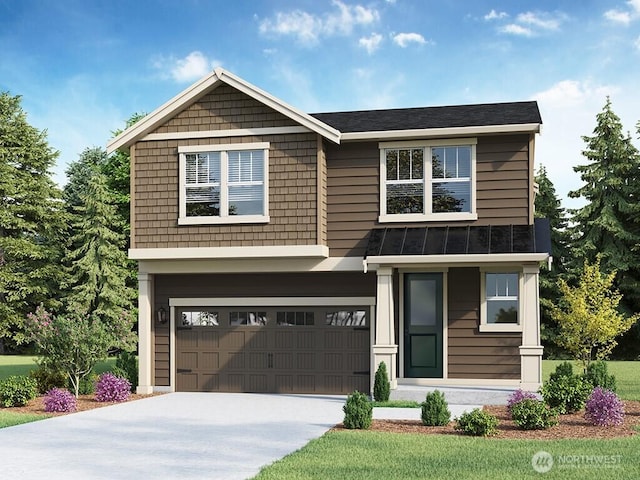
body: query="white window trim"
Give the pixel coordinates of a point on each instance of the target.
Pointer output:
(224, 218)
(500, 327)
(427, 181)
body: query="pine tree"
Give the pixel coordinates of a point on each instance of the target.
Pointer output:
(548, 206)
(609, 223)
(31, 217)
(98, 263)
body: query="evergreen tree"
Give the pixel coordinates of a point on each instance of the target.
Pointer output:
(98, 263)
(31, 217)
(609, 223)
(548, 206)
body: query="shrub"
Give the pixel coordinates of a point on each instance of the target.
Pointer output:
(477, 422)
(598, 376)
(358, 411)
(604, 408)
(565, 393)
(110, 388)
(533, 414)
(59, 400)
(435, 410)
(17, 390)
(564, 369)
(127, 367)
(381, 386)
(87, 385)
(48, 378)
(518, 396)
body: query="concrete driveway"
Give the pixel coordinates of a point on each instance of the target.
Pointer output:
(172, 436)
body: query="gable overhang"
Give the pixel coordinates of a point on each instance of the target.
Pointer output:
(205, 85)
(442, 132)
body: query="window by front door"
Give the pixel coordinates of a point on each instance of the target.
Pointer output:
(500, 310)
(427, 180)
(224, 184)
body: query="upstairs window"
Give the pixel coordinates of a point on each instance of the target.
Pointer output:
(427, 181)
(224, 184)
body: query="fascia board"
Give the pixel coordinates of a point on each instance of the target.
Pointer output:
(442, 132)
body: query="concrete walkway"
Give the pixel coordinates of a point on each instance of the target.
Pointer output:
(173, 436)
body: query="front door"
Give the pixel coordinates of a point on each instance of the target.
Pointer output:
(423, 325)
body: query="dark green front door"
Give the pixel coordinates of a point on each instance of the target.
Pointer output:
(423, 325)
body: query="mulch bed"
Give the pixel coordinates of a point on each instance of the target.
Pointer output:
(569, 426)
(85, 402)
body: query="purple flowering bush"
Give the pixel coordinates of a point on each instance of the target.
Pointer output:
(59, 400)
(518, 396)
(604, 408)
(111, 388)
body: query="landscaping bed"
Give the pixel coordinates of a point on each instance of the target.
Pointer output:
(570, 426)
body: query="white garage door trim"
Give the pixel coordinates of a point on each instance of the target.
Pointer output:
(256, 302)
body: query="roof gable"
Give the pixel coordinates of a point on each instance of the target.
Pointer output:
(196, 91)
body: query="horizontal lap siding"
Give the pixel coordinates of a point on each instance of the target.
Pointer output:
(472, 354)
(353, 189)
(329, 284)
(293, 181)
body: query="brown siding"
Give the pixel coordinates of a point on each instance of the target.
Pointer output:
(225, 108)
(472, 354)
(325, 284)
(322, 193)
(353, 189)
(292, 197)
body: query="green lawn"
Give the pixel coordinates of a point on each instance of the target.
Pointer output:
(376, 455)
(9, 418)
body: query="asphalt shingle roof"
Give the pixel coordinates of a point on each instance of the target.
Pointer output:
(485, 114)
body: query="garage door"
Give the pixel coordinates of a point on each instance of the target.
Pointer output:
(275, 349)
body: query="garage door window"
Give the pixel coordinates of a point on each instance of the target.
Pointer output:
(200, 319)
(291, 319)
(256, 319)
(347, 318)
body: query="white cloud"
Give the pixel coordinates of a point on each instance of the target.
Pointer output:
(624, 17)
(543, 21)
(515, 29)
(309, 28)
(495, 15)
(371, 43)
(637, 43)
(192, 67)
(404, 39)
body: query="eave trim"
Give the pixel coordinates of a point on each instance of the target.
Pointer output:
(442, 132)
(191, 253)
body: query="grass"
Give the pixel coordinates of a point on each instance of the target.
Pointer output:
(377, 455)
(627, 375)
(397, 404)
(9, 418)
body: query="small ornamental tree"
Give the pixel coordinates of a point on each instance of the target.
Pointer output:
(590, 320)
(75, 342)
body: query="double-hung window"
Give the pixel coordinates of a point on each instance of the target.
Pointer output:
(224, 184)
(427, 180)
(501, 301)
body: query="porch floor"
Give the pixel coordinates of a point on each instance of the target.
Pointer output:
(456, 395)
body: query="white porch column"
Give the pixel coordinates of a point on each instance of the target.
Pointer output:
(385, 348)
(145, 317)
(530, 350)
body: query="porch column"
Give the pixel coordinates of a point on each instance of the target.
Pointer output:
(145, 317)
(530, 350)
(385, 348)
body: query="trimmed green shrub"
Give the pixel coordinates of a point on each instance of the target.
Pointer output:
(564, 369)
(127, 367)
(87, 385)
(17, 390)
(381, 385)
(530, 414)
(598, 376)
(358, 411)
(566, 394)
(435, 410)
(48, 378)
(477, 423)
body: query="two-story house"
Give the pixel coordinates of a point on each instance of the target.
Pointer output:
(281, 251)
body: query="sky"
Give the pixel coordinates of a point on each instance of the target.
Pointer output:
(83, 67)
